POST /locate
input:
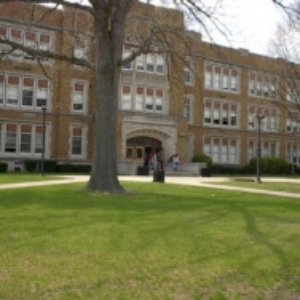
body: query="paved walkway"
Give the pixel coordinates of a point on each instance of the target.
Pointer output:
(210, 182)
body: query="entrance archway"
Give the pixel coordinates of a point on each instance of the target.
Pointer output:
(141, 148)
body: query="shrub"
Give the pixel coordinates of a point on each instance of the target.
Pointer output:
(271, 165)
(3, 167)
(64, 168)
(203, 158)
(31, 165)
(230, 170)
(50, 166)
(82, 168)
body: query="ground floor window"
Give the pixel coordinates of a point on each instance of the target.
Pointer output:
(293, 153)
(22, 139)
(222, 150)
(269, 148)
(78, 143)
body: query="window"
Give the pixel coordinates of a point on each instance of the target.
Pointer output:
(1, 137)
(12, 90)
(293, 90)
(44, 42)
(222, 150)
(207, 112)
(29, 41)
(16, 36)
(150, 58)
(188, 72)
(126, 98)
(139, 99)
(38, 146)
(126, 54)
(140, 62)
(219, 113)
(151, 62)
(160, 64)
(208, 77)
(29, 38)
(269, 148)
(3, 35)
(293, 153)
(27, 92)
(77, 141)
(159, 100)
(42, 93)
(149, 101)
(79, 98)
(221, 77)
(263, 85)
(188, 108)
(25, 141)
(216, 113)
(293, 123)
(269, 123)
(11, 138)
(80, 48)
(1, 89)
(22, 139)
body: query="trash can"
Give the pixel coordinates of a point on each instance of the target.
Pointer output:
(141, 170)
(159, 176)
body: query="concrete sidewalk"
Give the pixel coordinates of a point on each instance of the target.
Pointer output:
(209, 182)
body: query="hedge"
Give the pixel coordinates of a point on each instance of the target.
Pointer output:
(3, 167)
(203, 158)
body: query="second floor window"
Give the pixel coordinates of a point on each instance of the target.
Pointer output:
(146, 99)
(293, 90)
(24, 92)
(188, 71)
(79, 96)
(219, 113)
(188, 108)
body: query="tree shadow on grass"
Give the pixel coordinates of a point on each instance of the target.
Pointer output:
(155, 214)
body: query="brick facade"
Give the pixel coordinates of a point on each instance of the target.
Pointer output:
(202, 98)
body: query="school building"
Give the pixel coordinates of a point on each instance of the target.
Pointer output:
(196, 97)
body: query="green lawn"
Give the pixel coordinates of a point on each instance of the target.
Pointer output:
(273, 186)
(158, 242)
(24, 177)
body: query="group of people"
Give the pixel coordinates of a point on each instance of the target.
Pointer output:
(154, 161)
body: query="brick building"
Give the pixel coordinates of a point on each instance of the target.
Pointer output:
(202, 98)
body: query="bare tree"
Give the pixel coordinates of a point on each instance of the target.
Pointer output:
(109, 32)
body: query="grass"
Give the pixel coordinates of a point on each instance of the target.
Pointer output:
(273, 186)
(24, 177)
(158, 242)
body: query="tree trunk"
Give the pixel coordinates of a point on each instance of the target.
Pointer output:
(104, 177)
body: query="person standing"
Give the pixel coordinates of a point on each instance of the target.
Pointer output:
(175, 162)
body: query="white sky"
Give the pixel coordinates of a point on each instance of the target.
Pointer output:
(249, 24)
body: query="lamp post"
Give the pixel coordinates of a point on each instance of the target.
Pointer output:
(44, 109)
(259, 118)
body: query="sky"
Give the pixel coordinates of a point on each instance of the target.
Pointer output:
(249, 24)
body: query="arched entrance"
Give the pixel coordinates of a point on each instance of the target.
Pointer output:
(141, 148)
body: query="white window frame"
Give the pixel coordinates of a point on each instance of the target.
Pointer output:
(84, 141)
(84, 96)
(224, 80)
